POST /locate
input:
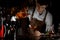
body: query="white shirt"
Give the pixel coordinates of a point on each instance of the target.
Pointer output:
(13, 18)
(48, 19)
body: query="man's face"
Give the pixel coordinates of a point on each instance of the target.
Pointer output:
(40, 8)
(25, 9)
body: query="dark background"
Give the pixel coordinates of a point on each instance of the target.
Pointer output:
(53, 8)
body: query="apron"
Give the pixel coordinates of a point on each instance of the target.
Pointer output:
(22, 25)
(39, 25)
(22, 30)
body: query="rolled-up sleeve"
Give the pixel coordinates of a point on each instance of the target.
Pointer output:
(30, 13)
(48, 22)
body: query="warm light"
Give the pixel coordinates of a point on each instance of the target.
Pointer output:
(21, 15)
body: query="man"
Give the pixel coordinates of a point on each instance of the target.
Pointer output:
(22, 23)
(43, 15)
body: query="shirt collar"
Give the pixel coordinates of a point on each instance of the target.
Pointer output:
(44, 12)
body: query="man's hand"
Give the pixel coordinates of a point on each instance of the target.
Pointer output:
(37, 33)
(32, 27)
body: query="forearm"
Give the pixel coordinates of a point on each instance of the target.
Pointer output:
(49, 28)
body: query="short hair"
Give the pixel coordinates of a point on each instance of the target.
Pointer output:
(43, 2)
